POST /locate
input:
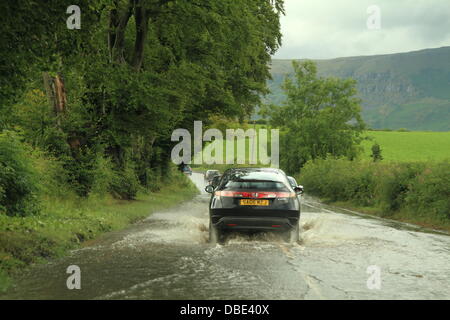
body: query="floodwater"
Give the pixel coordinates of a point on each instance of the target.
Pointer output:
(340, 255)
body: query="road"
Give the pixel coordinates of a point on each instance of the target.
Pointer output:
(167, 256)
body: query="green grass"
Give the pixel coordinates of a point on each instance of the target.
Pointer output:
(67, 224)
(409, 146)
(406, 216)
(224, 166)
(415, 192)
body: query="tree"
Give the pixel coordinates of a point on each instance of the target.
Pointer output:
(376, 153)
(172, 62)
(320, 117)
(134, 72)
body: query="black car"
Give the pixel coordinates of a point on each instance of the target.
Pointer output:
(254, 199)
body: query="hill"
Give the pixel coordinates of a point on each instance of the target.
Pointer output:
(404, 90)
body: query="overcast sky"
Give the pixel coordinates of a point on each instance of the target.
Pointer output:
(323, 29)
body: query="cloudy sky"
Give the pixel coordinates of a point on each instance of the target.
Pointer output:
(323, 29)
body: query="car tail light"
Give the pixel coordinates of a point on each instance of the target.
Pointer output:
(255, 195)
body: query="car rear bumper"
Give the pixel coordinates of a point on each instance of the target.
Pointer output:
(271, 220)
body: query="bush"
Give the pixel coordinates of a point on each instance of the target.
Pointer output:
(80, 171)
(430, 192)
(393, 185)
(18, 179)
(125, 184)
(336, 180)
(419, 189)
(53, 178)
(103, 176)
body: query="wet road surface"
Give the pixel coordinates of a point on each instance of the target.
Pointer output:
(167, 256)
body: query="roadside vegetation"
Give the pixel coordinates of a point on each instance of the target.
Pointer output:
(68, 223)
(407, 179)
(417, 192)
(50, 218)
(86, 115)
(400, 175)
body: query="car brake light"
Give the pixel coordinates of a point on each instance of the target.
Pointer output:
(255, 195)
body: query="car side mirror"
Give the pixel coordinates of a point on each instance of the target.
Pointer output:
(299, 189)
(209, 189)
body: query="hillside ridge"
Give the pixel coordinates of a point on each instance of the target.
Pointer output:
(402, 90)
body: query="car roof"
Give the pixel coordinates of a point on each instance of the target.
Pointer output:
(275, 170)
(271, 173)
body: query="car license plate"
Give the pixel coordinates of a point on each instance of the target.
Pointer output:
(251, 202)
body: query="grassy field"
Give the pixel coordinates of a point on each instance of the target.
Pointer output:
(396, 147)
(67, 224)
(245, 153)
(410, 146)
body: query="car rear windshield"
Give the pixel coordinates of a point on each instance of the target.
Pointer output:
(254, 180)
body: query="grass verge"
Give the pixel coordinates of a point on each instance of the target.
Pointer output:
(416, 192)
(403, 216)
(66, 224)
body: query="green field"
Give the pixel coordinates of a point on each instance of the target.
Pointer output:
(245, 153)
(396, 147)
(410, 146)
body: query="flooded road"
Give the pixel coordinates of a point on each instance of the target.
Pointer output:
(167, 256)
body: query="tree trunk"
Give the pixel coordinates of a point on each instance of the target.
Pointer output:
(48, 85)
(141, 18)
(119, 43)
(113, 23)
(56, 93)
(60, 94)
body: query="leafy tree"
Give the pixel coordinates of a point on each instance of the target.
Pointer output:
(35, 38)
(168, 63)
(135, 71)
(376, 153)
(320, 117)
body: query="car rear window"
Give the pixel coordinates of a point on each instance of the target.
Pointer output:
(254, 180)
(255, 185)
